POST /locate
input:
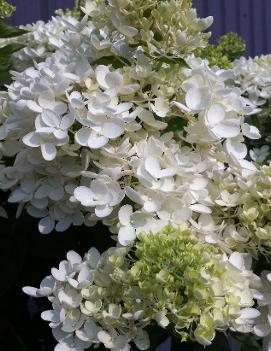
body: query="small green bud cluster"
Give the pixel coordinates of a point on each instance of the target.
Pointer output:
(6, 10)
(232, 46)
(214, 55)
(229, 47)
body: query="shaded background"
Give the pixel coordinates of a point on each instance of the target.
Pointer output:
(26, 255)
(249, 18)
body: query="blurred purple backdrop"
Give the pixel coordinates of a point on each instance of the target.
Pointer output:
(249, 18)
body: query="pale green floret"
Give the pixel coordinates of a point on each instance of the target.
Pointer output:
(6, 10)
(250, 216)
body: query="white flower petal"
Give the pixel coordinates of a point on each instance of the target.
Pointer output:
(48, 316)
(50, 118)
(215, 114)
(33, 106)
(63, 224)
(101, 72)
(126, 235)
(67, 121)
(113, 79)
(82, 136)
(226, 129)
(29, 290)
(73, 257)
(84, 195)
(236, 260)
(103, 211)
(96, 141)
(235, 148)
(200, 208)
(113, 129)
(195, 100)
(249, 313)
(46, 225)
(250, 131)
(125, 213)
(32, 139)
(48, 151)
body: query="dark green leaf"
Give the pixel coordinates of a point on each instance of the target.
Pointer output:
(10, 31)
(9, 49)
(246, 342)
(4, 77)
(176, 124)
(116, 62)
(220, 343)
(172, 60)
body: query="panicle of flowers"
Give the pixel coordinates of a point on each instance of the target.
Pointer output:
(42, 39)
(170, 278)
(243, 206)
(88, 129)
(162, 28)
(253, 76)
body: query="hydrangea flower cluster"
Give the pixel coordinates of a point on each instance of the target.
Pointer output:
(253, 77)
(172, 279)
(115, 120)
(42, 39)
(87, 135)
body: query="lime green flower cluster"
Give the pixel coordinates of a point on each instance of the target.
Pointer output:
(161, 28)
(229, 47)
(170, 279)
(182, 284)
(214, 55)
(232, 46)
(6, 10)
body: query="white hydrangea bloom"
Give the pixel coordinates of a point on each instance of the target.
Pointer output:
(78, 318)
(87, 127)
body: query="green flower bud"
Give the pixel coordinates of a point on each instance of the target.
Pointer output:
(6, 10)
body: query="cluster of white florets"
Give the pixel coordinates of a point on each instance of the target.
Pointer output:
(88, 135)
(253, 76)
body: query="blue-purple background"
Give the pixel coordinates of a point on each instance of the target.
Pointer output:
(249, 18)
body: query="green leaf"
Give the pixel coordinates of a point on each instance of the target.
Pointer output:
(220, 343)
(246, 342)
(10, 31)
(5, 77)
(5, 61)
(116, 62)
(10, 49)
(172, 60)
(176, 124)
